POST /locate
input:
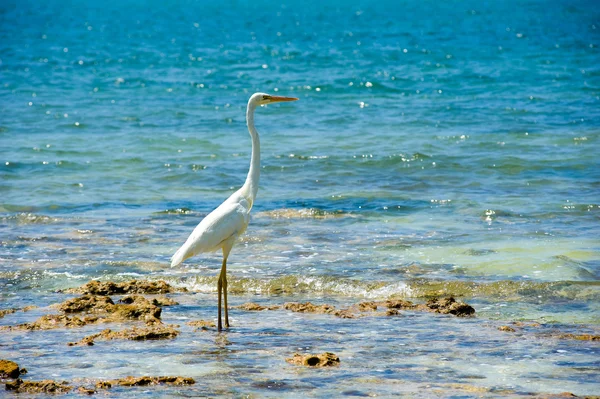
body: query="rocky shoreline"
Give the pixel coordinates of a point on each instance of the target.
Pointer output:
(142, 302)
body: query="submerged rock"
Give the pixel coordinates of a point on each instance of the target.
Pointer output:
(144, 381)
(127, 287)
(251, 306)
(308, 307)
(450, 306)
(400, 304)
(45, 386)
(202, 324)
(52, 321)
(367, 306)
(164, 301)
(506, 328)
(134, 333)
(4, 312)
(580, 337)
(326, 359)
(10, 369)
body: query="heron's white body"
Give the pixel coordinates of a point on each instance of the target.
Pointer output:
(221, 228)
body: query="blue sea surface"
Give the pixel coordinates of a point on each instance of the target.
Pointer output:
(438, 148)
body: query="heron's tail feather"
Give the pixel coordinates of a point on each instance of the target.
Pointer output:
(179, 256)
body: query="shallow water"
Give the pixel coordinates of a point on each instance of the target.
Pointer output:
(437, 149)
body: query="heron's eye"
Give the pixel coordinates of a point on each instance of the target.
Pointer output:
(266, 97)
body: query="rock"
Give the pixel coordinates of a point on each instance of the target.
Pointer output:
(127, 287)
(367, 306)
(450, 306)
(308, 307)
(343, 314)
(134, 333)
(45, 386)
(4, 312)
(28, 308)
(131, 307)
(87, 303)
(326, 359)
(392, 312)
(86, 391)
(506, 328)
(86, 341)
(580, 337)
(9, 369)
(202, 324)
(134, 307)
(51, 321)
(164, 301)
(400, 304)
(251, 306)
(143, 381)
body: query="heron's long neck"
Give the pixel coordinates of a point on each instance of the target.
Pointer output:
(251, 184)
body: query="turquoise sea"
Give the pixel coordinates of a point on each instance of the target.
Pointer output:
(438, 148)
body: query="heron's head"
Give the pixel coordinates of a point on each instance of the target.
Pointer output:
(264, 99)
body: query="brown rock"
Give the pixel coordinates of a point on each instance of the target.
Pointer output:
(164, 301)
(325, 359)
(45, 386)
(127, 287)
(450, 306)
(28, 308)
(9, 369)
(202, 324)
(134, 333)
(506, 328)
(308, 307)
(251, 306)
(143, 381)
(400, 304)
(51, 321)
(580, 337)
(392, 312)
(343, 314)
(134, 307)
(87, 303)
(86, 390)
(4, 312)
(367, 306)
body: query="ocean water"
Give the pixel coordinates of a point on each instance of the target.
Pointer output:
(438, 148)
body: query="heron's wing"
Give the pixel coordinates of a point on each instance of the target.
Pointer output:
(229, 220)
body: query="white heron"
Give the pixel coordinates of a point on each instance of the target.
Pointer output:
(221, 228)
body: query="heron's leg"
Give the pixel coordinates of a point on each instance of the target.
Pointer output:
(225, 294)
(220, 289)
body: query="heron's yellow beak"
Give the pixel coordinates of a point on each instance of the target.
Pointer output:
(278, 99)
